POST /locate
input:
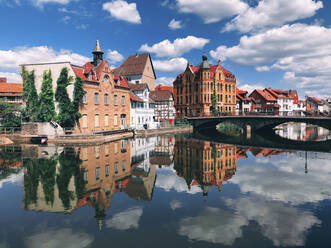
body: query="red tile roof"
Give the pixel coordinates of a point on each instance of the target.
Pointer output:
(137, 87)
(266, 95)
(11, 88)
(134, 65)
(316, 100)
(79, 72)
(135, 98)
(160, 95)
(169, 88)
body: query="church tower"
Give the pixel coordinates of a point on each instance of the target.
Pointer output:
(97, 54)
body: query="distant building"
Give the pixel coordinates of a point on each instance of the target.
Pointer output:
(244, 103)
(314, 105)
(142, 107)
(194, 89)
(164, 106)
(285, 100)
(10, 92)
(138, 69)
(162, 87)
(106, 105)
(265, 102)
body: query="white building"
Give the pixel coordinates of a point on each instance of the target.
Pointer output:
(142, 108)
(285, 100)
(141, 151)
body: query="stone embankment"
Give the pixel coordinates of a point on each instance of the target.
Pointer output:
(95, 139)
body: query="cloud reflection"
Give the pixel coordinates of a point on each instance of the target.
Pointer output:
(126, 219)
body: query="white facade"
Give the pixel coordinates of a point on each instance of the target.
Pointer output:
(142, 113)
(142, 149)
(299, 108)
(134, 79)
(286, 106)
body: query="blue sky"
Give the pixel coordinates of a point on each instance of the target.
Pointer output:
(271, 43)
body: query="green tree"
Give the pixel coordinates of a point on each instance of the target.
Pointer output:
(30, 94)
(65, 116)
(10, 114)
(46, 102)
(78, 95)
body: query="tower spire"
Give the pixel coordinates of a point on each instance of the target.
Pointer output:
(97, 54)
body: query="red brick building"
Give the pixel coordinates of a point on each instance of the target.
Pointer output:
(194, 88)
(265, 102)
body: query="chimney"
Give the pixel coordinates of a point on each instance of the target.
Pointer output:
(3, 80)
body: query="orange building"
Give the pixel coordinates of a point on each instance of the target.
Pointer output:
(106, 104)
(194, 89)
(10, 92)
(204, 163)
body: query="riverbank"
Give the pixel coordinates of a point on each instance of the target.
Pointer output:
(95, 139)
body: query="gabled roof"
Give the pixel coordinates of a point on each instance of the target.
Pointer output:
(160, 95)
(265, 94)
(80, 72)
(316, 100)
(279, 93)
(134, 65)
(138, 87)
(135, 98)
(121, 81)
(169, 88)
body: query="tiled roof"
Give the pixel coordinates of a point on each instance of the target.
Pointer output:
(169, 88)
(266, 95)
(133, 65)
(79, 72)
(121, 81)
(316, 100)
(279, 93)
(160, 95)
(11, 88)
(137, 87)
(135, 98)
(212, 69)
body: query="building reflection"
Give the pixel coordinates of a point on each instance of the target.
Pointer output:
(204, 163)
(71, 178)
(303, 132)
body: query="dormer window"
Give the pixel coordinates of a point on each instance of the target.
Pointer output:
(106, 78)
(90, 76)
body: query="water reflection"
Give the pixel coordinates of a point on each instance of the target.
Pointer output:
(303, 132)
(201, 193)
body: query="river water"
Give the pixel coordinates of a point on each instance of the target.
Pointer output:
(166, 191)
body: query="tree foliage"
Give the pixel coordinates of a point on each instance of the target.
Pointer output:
(65, 116)
(46, 111)
(30, 94)
(78, 95)
(10, 114)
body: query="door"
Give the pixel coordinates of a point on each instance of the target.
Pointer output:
(123, 124)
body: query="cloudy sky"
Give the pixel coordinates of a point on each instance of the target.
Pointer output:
(271, 43)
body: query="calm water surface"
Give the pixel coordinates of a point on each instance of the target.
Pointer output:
(164, 191)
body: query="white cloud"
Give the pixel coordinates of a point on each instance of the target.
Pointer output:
(65, 19)
(40, 3)
(173, 24)
(168, 81)
(283, 179)
(180, 46)
(123, 10)
(213, 225)
(82, 26)
(64, 237)
(302, 51)
(12, 77)
(250, 87)
(114, 56)
(13, 179)
(212, 10)
(175, 204)
(11, 59)
(169, 180)
(172, 65)
(283, 225)
(271, 13)
(126, 219)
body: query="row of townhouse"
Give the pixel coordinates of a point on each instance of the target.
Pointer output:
(278, 102)
(114, 98)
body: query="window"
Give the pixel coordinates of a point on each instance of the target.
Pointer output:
(115, 99)
(116, 168)
(84, 99)
(137, 82)
(106, 78)
(96, 121)
(106, 120)
(123, 100)
(85, 176)
(107, 170)
(107, 150)
(96, 98)
(115, 120)
(123, 165)
(97, 173)
(106, 99)
(84, 120)
(97, 151)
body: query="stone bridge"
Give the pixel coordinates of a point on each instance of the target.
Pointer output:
(255, 123)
